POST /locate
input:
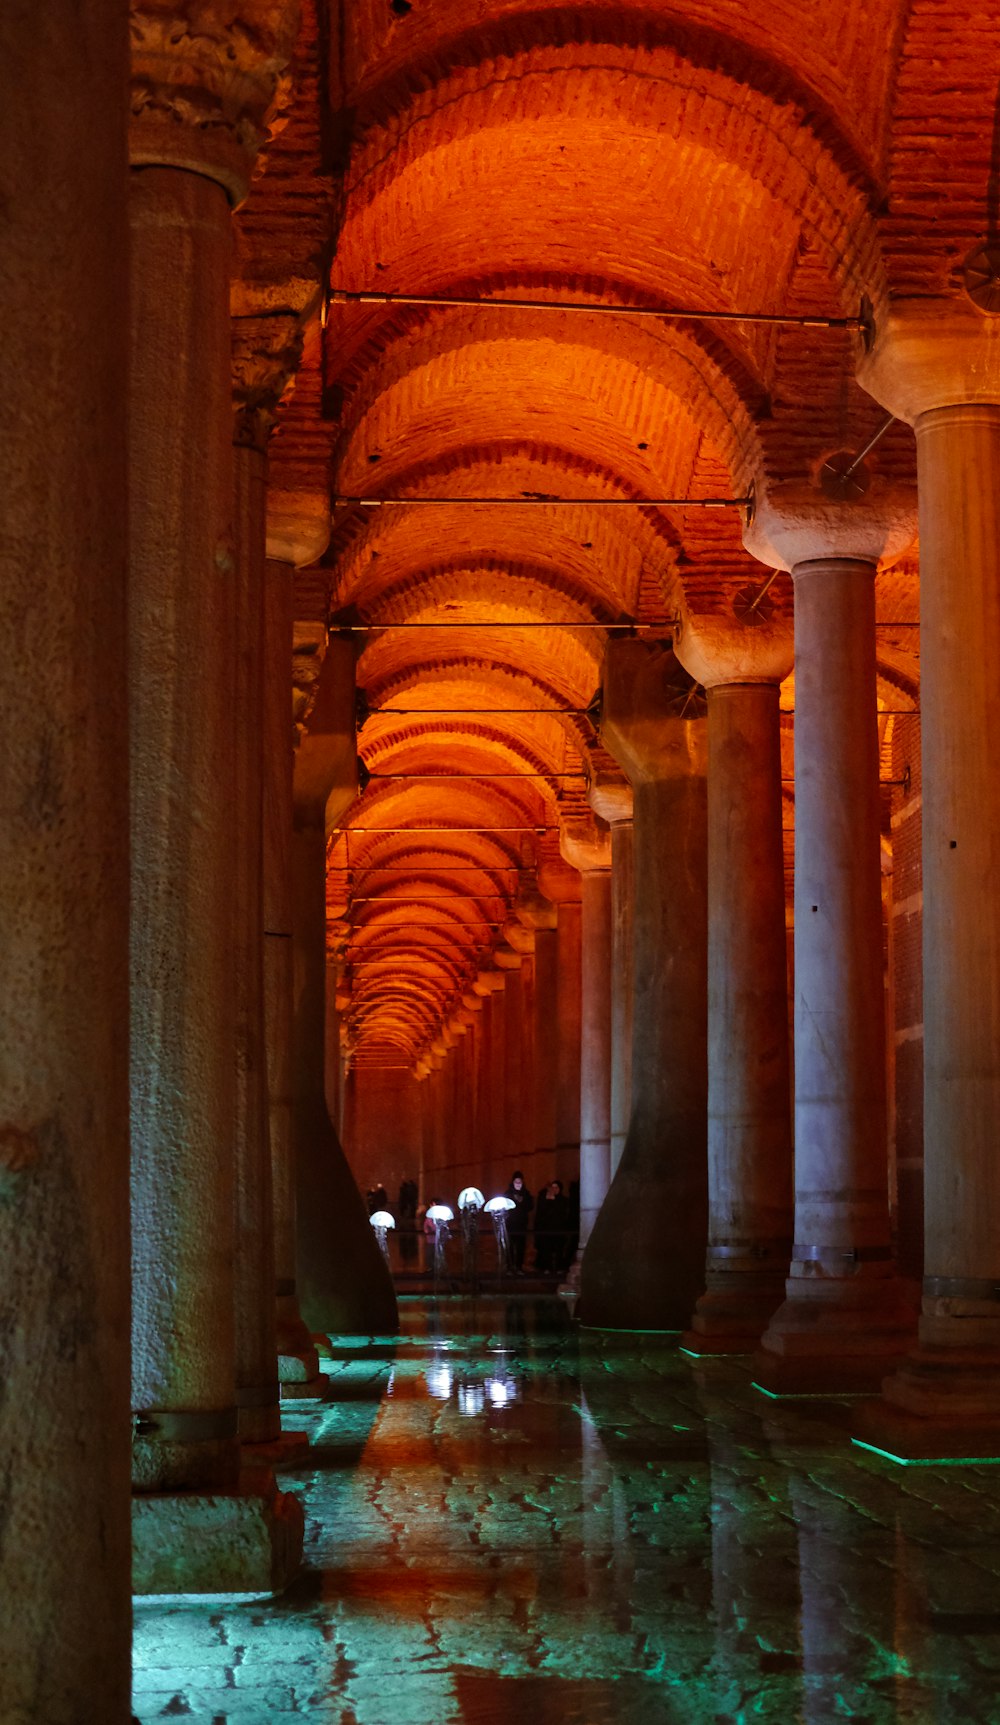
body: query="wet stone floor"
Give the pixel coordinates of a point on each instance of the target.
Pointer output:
(509, 1522)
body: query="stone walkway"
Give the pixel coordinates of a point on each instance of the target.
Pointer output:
(509, 1525)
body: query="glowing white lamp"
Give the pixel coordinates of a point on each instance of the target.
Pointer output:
(470, 1198)
(496, 1205)
(440, 1213)
(382, 1221)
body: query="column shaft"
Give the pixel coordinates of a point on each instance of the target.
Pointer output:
(844, 1319)
(546, 1055)
(645, 1258)
(64, 1367)
(256, 1353)
(297, 1357)
(622, 903)
(595, 1046)
(749, 1117)
(568, 1048)
(181, 623)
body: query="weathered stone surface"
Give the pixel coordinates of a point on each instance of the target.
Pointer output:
(64, 1365)
(248, 1541)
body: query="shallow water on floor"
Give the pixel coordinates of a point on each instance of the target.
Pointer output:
(509, 1522)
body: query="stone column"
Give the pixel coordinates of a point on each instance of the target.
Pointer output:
(611, 799)
(845, 1318)
(341, 1277)
(182, 599)
(298, 1361)
(586, 846)
(937, 365)
(534, 911)
(568, 949)
(513, 1042)
(492, 1112)
(741, 666)
(265, 352)
(521, 1046)
(64, 1292)
(644, 1262)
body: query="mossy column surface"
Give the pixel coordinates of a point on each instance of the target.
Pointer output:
(644, 1263)
(64, 1363)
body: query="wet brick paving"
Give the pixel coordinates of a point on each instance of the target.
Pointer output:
(510, 1522)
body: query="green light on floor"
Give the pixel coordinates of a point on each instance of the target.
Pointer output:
(930, 1461)
(620, 1330)
(715, 1354)
(813, 1395)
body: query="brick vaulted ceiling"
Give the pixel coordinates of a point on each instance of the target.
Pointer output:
(786, 158)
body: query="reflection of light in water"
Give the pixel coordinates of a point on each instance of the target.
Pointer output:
(392, 1380)
(501, 1391)
(439, 1381)
(471, 1399)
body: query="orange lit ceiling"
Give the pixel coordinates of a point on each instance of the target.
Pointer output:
(712, 157)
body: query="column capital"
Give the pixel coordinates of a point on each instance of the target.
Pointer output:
(531, 908)
(611, 796)
(472, 1001)
(506, 958)
(208, 80)
(652, 712)
(488, 982)
(718, 650)
(326, 761)
(797, 522)
(585, 843)
(931, 353)
(265, 356)
(520, 936)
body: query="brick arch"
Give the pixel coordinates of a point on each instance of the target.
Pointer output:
(605, 134)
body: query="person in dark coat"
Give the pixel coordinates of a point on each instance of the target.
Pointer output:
(519, 1218)
(551, 1229)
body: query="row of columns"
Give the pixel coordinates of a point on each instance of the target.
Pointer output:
(150, 912)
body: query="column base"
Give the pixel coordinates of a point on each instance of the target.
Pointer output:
(836, 1337)
(249, 1541)
(315, 1388)
(282, 1451)
(942, 1404)
(732, 1319)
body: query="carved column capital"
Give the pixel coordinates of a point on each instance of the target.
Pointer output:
(209, 78)
(266, 354)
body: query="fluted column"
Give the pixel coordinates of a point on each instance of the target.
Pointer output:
(845, 1318)
(341, 1277)
(741, 666)
(937, 365)
(182, 620)
(586, 846)
(64, 1223)
(644, 1261)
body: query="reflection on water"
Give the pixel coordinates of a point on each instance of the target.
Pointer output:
(594, 1532)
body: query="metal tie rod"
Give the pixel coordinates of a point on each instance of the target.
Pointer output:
(541, 502)
(472, 302)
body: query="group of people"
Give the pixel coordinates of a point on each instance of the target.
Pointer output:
(556, 1222)
(556, 1226)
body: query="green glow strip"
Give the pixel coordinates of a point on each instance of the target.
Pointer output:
(616, 1330)
(717, 1355)
(812, 1395)
(930, 1461)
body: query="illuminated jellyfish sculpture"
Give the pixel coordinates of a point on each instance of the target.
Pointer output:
(440, 1215)
(496, 1210)
(381, 1221)
(470, 1202)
